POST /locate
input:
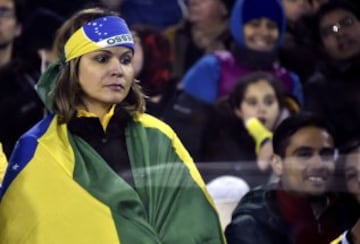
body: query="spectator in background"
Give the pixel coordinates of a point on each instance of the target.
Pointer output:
(349, 182)
(242, 122)
(158, 14)
(19, 101)
(316, 4)
(203, 30)
(257, 28)
(62, 8)
(300, 208)
(334, 91)
(299, 51)
(11, 15)
(38, 33)
(152, 64)
(295, 10)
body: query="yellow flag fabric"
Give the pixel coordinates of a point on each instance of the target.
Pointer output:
(59, 190)
(3, 163)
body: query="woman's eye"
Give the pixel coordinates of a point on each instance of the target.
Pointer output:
(102, 58)
(126, 59)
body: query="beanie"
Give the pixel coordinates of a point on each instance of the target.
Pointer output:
(245, 10)
(255, 9)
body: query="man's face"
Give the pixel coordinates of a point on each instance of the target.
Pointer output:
(340, 34)
(352, 173)
(309, 162)
(9, 27)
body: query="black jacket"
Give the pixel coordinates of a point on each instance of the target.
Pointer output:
(20, 106)
(257, 219)
(334, 93)
(110, 144)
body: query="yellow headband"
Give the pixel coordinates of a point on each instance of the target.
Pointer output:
(99, 33)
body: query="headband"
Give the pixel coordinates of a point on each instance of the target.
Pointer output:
(99, 33)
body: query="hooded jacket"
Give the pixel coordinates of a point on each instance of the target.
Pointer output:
(205, 78)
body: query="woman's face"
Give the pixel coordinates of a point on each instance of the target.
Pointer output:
(260, 101)
(261, 34)
(352, 173)
(105, 77)
(138, 60)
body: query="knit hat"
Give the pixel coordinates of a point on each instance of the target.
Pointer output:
(246, 10)
(255, 9)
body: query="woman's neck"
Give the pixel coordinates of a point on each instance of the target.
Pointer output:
(99, 110)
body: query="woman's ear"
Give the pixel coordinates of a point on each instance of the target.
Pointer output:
(277, 164)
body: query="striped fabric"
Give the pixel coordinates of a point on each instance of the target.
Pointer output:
(58, 189)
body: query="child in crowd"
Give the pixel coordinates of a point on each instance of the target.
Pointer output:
(242, 124)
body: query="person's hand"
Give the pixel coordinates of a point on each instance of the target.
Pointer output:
(258, 132)
(265, 155)
(262, 137)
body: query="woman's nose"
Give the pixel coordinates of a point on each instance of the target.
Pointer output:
(115, 67)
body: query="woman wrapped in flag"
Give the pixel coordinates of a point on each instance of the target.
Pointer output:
(98, 169)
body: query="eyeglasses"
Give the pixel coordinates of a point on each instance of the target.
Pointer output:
(344, 23)
(6, 12)
(326, 154)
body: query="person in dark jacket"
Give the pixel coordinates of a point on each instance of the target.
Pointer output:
(19, 104)
(299, 208)
(349, 178)
(334, 91)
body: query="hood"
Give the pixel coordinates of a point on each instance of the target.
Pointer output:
(245, 10)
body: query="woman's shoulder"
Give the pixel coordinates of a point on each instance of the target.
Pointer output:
(150, 121)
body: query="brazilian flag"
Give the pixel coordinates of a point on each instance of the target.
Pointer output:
(58, 189)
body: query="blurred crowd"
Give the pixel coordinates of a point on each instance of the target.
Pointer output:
(225, 75)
